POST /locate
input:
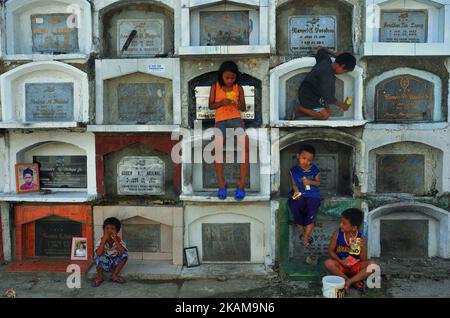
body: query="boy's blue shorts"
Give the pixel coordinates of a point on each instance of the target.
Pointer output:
(304, 210)
(108, 262)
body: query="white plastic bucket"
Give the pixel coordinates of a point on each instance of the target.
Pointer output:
(333, 287)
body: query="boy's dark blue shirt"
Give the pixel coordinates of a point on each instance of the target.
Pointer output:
(298, 173)
(318, 87)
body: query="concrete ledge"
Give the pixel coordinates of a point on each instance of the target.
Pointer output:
(46, 57)
(224, 49)
(44, 125)
(211, 197)
(225, 271)
(145, 270)
(133, 128)
(406, 126)
(318, 123)
(61, 197)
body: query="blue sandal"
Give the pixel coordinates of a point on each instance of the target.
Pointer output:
(239, 195)
(222, 193)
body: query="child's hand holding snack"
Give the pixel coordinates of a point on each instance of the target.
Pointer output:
(296, 195)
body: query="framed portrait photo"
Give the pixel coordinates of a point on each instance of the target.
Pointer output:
(27, 178)
(79, 249)
(191, 256)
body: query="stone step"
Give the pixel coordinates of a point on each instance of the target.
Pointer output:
(165, 270)
(300, 271)
(145, 270)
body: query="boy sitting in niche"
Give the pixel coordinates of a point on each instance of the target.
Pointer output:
(348, 251)
(110, 253)
(317, 90)
(305, 194)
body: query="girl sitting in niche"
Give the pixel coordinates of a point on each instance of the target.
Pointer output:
(227, 98)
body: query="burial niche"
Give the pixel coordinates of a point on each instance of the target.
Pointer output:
(302, 26)
(407, 167)
(199, 89)
(334, 160)
(138, 98)
(136, 30)
(404, 98)
(138, 170)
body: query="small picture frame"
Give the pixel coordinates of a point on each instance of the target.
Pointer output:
(191, 258)
(79, 249)
(27, 178)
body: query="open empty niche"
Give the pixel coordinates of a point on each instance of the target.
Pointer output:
(138, 98)
(133, 29)
(405, 167)
(334, 160)
(302, 26)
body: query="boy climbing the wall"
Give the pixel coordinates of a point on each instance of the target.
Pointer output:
(318, 88)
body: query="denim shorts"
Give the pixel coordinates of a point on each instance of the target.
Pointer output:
(231, 123)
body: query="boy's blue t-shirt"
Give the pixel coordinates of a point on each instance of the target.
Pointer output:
(298, 173)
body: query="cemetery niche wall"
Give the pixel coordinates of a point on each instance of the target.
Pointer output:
(135, 29)
(405, 95)
(137, 95)
(44, 95)
(135, 169)
(426, 235)
(151, 232)
(285, 80)
(407, 27)
(405, 167)
(59, 28)
(300, 26)
(224, 27)
(199, 89)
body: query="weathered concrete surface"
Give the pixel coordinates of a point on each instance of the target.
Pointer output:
(400, 278)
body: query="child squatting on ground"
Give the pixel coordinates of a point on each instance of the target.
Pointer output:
(227, 98)
(305, 194)
(348, 251)
(110, 253)
(318, 88)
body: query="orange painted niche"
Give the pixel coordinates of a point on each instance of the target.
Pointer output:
(25, 218)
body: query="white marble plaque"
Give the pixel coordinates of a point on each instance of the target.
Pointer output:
(408, 26)
(202, 103)
(140, 176)
(307, 32)
(147, 41)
